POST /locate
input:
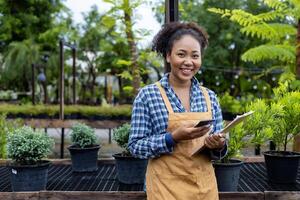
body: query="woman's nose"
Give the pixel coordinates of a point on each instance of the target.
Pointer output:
(188, 61)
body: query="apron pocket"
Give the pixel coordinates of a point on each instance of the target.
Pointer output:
(173, 186)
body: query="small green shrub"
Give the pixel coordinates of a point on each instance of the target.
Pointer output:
(121, 136)
(27, 147)
(259, 124)
(286, 110)
(235, 143)
(83, 135)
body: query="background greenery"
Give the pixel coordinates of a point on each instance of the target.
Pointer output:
(252, 42)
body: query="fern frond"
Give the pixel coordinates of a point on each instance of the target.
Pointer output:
(270, 16)
(273, 31)
(244, 18)
(276, 4)
(217, 10)
(282, 53)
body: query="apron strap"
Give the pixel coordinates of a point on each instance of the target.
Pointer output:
(207, 99)
(165, 98)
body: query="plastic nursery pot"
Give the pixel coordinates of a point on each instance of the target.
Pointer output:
(282, 166)
(228, 174)
(29, 177)
(84, 159)
(130, 170)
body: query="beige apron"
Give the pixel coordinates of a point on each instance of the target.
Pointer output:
(178, 176)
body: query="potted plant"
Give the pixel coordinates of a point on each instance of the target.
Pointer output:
(84, 150)
(259, 124)
(130, 170)
(27, 148)
(227, 170)
(286, 113)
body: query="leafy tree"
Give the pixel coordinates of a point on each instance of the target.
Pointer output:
(21, 20)
(18, 62)
(279, 46)
(30, 31)
(123, 11)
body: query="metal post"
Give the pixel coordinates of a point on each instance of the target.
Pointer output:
(74, 75)
(61, 80)
(171, 11)
(32, 82)
(61, 95)
(62, 143)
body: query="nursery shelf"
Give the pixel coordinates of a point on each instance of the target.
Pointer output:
(61, 178)
(63, 184)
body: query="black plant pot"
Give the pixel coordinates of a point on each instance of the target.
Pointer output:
(130, 170)
(228, 174)
(29, 177)
(84, 159)
(282, 166)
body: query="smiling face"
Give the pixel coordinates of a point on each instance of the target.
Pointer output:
(184, 58)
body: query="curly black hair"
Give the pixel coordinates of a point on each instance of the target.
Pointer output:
(164, 39)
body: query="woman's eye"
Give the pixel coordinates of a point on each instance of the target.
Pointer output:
(195, 56)
(181, 55)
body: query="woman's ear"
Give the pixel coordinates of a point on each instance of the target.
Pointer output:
(168, 58)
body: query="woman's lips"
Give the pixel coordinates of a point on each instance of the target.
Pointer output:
(186, 72)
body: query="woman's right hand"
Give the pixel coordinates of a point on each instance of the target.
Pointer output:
(188, 132)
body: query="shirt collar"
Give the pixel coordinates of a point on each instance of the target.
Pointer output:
(165, 82)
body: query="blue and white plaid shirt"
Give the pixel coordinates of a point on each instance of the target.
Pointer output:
(150, 118)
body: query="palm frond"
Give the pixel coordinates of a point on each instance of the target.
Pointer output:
(282, 53)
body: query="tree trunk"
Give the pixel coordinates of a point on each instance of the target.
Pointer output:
(296, 146)
(133, 50)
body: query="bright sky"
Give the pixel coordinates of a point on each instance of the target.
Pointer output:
(146, 16)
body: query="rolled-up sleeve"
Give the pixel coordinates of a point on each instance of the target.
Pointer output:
(143, 141)
(218, 126)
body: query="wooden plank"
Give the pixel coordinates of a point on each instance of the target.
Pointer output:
(19, 195)
(282, 195)
(253, 159)
(241, 195)
(84, 195)
(56, 123)
(79, 195)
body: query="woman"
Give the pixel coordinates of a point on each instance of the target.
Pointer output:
(164, 118)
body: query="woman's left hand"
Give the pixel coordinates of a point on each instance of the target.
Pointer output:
(215, 141)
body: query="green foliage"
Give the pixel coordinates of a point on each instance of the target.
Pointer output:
(279, 38)
(27, 147)
(5, 127)
(51, 110)
(21, 20)
(259, 124)
(230, 104)
(237, 140)
(83, 136)
(286, 107)
(121, 136)
(18, 61)
(277, 120)
(285, 53)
